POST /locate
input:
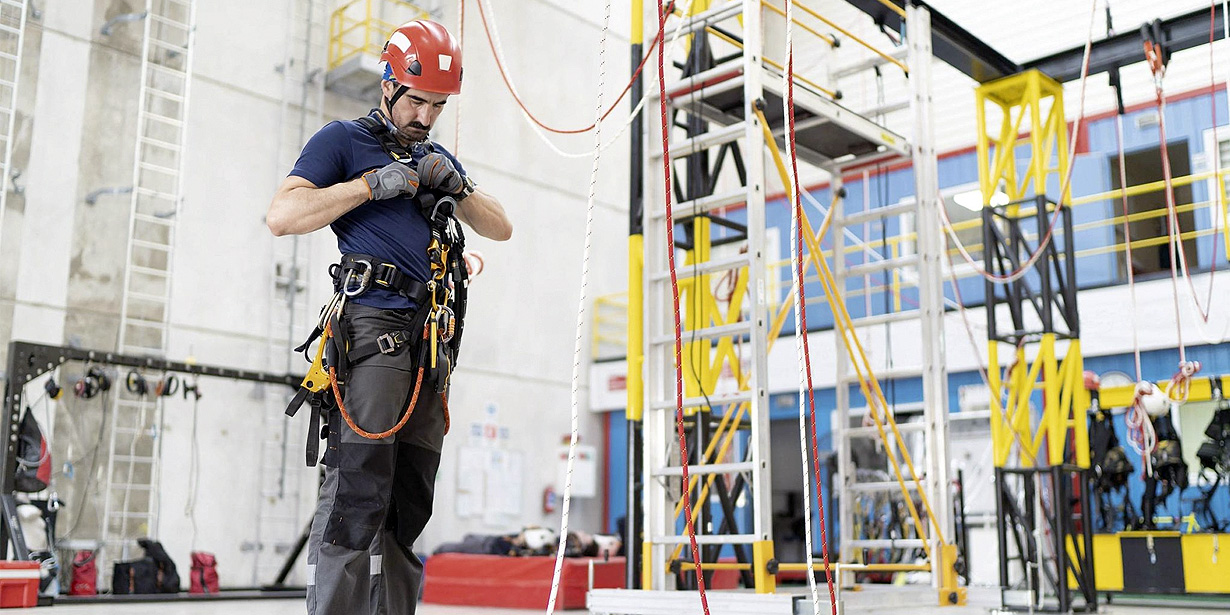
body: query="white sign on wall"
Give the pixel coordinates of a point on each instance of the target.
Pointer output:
(584, 471)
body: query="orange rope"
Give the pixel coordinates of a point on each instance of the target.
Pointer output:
(405, 417)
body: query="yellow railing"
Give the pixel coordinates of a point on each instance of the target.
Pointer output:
(893, 244)
(609, 331)
(362, 26)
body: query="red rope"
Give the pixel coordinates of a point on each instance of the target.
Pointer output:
(1154, 58)
(508, 83)
(670, 251)
(811, 399)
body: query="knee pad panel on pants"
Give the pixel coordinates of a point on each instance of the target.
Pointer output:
(413, 491)
(364, 481)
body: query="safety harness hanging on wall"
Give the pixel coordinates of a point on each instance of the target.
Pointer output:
(435, 330)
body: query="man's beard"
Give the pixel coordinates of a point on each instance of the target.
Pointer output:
(415, 131)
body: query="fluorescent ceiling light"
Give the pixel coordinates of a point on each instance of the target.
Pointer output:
(972, 199)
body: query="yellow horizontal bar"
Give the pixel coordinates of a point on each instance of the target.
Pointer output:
(850, 35)
(894, 8)
(826, 38)
(1138, 216)
(717, 566)
(1138, 189)
(860, 567)
(826, 91)
(1122, 396)
(1143, 243)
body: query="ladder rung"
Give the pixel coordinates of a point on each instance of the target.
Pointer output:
(158, 168)
(881, 265)
(887, 108)
(714, 400)
(165, 95)
(166, 196)
(152, 219)
(739, 328)
(886, 543)
(131, 487)
(887, 374)
(161, 273)
(10, 29)
(168, 46)
(146, 324)
(8, 56)
(705, 18)
(721, 78)
(147, 297)
(166, 70)
(704, 141)
(130, 430)
(878, 213)
(149, 245)
(134, 458)
(133, 349)
(709, 266)
(132, 515)
(169, 121)
(898, 53)
(881, 486)
(708, 539)
(704, 204)
(913, 407)
(874, 432)
(882, 319)
(710, 468)
(159, 143)
(169, 22)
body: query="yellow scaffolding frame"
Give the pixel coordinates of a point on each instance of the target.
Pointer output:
(362, 26)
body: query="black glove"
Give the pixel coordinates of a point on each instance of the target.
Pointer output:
(394, 179)
(438, 172)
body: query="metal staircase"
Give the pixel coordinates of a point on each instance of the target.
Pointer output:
(12, 41)
(279, 518)
(130, 507)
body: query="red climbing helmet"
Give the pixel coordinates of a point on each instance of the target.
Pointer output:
(421, 54)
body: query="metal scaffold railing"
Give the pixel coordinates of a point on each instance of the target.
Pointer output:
(724, 108)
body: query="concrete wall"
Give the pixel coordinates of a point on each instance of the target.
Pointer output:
(64, 259)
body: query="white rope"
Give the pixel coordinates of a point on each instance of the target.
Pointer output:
(538, 131)
(576, 352)
(787, 76)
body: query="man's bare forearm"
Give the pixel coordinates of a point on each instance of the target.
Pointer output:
(485, 215)
(301, 209)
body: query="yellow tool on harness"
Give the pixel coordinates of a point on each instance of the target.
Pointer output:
(317, 378)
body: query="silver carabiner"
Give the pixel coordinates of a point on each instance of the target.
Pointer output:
(364, 280)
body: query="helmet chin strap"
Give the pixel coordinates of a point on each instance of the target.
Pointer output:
(388, 116)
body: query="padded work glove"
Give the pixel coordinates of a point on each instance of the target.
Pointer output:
(437, 172)
(394, 179)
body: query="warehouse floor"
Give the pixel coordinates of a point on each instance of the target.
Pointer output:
(982, 601)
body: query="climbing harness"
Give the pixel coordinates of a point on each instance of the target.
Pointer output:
(436, 326)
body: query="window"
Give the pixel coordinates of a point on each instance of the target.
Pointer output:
(1151, 251)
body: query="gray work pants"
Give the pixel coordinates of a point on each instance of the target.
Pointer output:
(377, 494)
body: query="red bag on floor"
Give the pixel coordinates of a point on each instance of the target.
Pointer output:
(204, 573)
(85, 575)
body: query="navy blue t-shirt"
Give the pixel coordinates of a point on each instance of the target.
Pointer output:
(393, 229)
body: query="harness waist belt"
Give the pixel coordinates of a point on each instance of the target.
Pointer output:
(358, 273)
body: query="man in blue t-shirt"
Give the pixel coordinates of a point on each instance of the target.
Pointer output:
(386, 190)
